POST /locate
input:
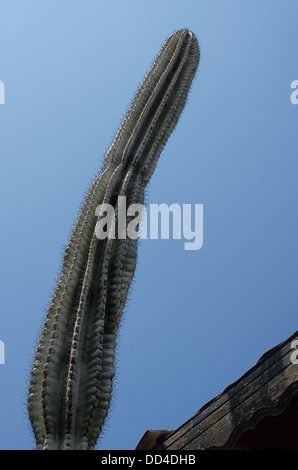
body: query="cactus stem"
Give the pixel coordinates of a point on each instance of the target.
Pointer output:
(72, 375)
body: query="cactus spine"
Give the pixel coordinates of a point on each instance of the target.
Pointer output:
(71, 379)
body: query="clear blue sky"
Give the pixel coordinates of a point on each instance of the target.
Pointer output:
(195, 320)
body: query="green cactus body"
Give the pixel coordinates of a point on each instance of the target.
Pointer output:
(71, 379)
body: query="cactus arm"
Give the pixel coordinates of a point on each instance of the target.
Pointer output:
(72, 375)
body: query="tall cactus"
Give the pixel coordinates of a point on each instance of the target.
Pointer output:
(71, 379)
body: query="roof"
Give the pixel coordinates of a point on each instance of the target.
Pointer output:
(258, 411)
